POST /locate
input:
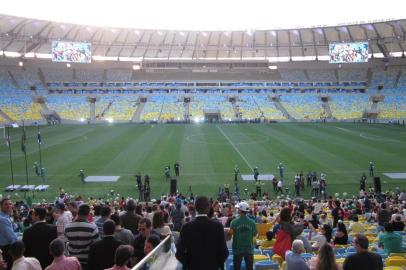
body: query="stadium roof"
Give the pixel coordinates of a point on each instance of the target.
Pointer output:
(207, 15)
(20, 36)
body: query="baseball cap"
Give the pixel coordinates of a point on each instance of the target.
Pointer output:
(243, 206)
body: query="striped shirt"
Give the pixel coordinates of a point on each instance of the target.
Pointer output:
(81, 234)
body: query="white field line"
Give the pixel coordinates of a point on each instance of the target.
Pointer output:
(235, 148)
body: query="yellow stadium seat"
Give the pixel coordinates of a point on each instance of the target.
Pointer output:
(398, 254)
(260, 257)
(396, 261)
(277, 258)
(393, 268)
(340, 260)
(283, 266)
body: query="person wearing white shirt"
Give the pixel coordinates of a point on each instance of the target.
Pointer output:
(318, 206)
(65, 217)
(19, 261)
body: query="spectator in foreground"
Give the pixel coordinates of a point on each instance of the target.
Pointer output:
(151, 243)
(81, 234)
(293, 259)
(355, 226)
(129, 219)
(341, 237)
(389, 240)
(101, 253)
(243, 230)
(122, 234)
(324, 237)
(144, 227)
(7, 235)
(122, 257)
(362, 259)
(20, 262)
(325, 260)
(61, 262)
(202, 243)
(38, 237)
(159, 226)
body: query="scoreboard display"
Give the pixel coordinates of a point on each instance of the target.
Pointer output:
(71, 52)
(348, 52)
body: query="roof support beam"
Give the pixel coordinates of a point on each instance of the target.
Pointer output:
(185, 44)
(147, 46)
(139, 41)
(207, 45)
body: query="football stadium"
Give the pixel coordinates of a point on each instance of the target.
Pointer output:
(151, 105)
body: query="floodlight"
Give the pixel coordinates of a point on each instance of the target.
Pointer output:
(21, 63)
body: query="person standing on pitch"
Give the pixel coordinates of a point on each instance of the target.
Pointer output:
(281, 168)
(362, 182)
(36, 168)
(371, 169)
(256, 174)
(167, 172)
(82, 176)
(236, 173)
(177, 167)
(139, 181)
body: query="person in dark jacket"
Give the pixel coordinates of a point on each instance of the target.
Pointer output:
(101, 254)
(38, 237)
(202, 243)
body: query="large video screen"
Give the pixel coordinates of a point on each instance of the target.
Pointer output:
(76, 52)
(348, 52)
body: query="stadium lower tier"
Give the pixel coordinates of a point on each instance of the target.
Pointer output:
(172, 107)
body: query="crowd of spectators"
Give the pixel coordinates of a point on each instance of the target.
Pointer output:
(71, 233)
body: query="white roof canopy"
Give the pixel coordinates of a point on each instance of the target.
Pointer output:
(207, 15)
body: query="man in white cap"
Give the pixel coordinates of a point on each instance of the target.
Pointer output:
(243, 230)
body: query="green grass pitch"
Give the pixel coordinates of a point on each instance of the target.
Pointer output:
(207, 154)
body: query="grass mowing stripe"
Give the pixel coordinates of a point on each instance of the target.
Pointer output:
(233, 145)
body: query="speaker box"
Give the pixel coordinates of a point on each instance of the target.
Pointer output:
(377, 184)
(173, 187)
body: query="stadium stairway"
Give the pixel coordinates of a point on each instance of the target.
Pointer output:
(5, 116)
(327, 109)
(137, 114)
(282, 109)
(236, 109)
(105, 110)
(186, 106)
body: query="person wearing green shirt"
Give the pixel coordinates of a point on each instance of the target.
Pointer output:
(243, 230)
(389, 240)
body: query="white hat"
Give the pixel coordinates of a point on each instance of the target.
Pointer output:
(243, 206)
